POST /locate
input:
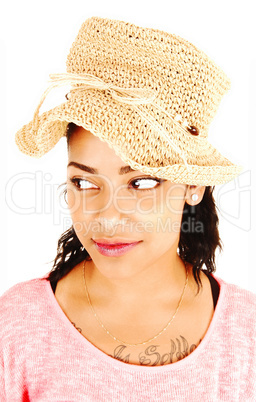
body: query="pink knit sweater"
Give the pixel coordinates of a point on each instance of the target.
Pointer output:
(43, 357)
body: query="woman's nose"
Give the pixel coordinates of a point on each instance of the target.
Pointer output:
(114, 209)
(114, 204)
(109, 224)
(111, 219)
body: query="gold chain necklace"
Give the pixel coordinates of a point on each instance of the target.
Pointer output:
(141, 343)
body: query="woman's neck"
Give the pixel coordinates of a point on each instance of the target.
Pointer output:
(155, 284)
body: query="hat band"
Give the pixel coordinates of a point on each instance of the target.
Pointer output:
(131, 96)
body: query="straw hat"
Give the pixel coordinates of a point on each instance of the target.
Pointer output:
(149, 94)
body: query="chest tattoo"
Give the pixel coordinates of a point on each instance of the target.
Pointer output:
(150, 356)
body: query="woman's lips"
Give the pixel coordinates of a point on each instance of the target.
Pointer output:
(114, 250)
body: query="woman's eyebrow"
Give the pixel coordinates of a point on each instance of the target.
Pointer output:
(89, 169)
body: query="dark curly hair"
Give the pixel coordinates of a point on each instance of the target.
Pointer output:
(199, 238)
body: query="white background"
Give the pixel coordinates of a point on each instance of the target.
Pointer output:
(35, 40)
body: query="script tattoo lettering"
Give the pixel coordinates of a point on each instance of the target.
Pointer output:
(151, 357)
(117, 354)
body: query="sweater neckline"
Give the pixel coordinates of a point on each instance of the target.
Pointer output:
(98, 353)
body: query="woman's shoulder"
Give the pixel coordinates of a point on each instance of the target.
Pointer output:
(21, 306)
(237, 302)
(23, 309)
(232, 289)
(21, 295)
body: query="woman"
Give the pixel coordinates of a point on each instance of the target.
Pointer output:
(128, 312)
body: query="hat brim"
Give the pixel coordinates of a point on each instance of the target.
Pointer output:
(132, 138)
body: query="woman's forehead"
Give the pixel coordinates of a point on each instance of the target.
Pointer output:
(87, 149)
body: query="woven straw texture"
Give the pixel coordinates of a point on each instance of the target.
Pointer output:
(126, 58)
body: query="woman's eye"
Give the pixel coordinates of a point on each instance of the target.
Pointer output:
(145, 183)
(85, 184)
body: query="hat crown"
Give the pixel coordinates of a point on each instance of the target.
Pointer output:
(187, 81)
(149, 94)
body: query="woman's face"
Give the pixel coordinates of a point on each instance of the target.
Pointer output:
(128, 207)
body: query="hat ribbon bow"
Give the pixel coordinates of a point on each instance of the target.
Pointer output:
(132, 96)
